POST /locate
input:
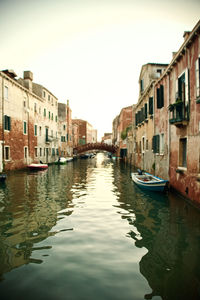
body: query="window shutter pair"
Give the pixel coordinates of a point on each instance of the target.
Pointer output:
(7, 122)
(156, 144)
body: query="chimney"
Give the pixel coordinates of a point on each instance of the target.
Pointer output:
(67, 102)
(28, 78)
(173, 54)
(186, 35)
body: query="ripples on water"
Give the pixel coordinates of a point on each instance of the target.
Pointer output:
(85, 231)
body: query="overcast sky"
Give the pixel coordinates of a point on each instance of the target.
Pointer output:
(91, 51)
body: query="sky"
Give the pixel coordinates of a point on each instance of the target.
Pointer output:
(91, 51)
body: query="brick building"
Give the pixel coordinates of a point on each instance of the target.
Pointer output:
(86, 132)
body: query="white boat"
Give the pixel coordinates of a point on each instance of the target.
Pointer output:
(149, 182)
(69, 159)
(61, 161)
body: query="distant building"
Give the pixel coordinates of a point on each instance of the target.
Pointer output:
(107, 138)
(86, 132)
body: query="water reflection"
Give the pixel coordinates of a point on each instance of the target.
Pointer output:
(87, 225)
(169, 229)
(30, 206)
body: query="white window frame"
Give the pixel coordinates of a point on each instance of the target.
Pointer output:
(162, 143)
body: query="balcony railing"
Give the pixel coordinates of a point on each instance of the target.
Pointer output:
(179, 114)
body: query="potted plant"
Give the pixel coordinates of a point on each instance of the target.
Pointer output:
(171, 107)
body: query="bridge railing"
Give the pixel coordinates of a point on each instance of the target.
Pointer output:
(95, 146)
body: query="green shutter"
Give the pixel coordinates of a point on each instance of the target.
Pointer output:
(158, 97)
(161, 96)
(151, 105)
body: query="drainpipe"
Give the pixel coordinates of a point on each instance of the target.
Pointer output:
(2, 124)
(28, 154)
(169, 127)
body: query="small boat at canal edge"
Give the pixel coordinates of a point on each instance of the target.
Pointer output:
(3, 177)
(38, 167)
(61, 161)
(149, 182)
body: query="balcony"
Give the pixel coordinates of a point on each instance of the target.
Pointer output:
(179, 114)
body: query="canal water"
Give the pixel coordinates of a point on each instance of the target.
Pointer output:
(84, 231)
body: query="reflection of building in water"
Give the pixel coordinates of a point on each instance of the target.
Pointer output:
(171, 265)
(29, 210)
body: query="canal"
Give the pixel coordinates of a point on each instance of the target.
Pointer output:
(85, 231)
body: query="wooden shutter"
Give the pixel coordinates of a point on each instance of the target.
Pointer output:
(158, 97)
(161, 96)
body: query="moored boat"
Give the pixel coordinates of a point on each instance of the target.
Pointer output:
(69, 159)
(37, 166)
(3, 177)
(61, 161)
(149, 182)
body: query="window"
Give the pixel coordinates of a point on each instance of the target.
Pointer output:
(183, 153)
(62, 138)
(25, 152)
(45, 112)
(6, 92)
(25, 102)
(40, 130)
(151, 105)
(197, 77)
(40, 151)
(57, 152)
(44, 94)
(143, 144)
(162, 143)
(182, 84)
(64, 127)
(7, 152)
(141, 85)
(36, 152)
(52, 116)
(160, 96)
(158, 73)
(7, 123)
(147, 146)
(56, 118)
(156, 143)
(49, 115)
(35, 107)
(48, 97)
(53, 151)
(25, 127)
(47, 134)
(51, 133)
(145, 111)
(35, 130)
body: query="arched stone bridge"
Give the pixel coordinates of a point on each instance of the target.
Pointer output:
(95, 146)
